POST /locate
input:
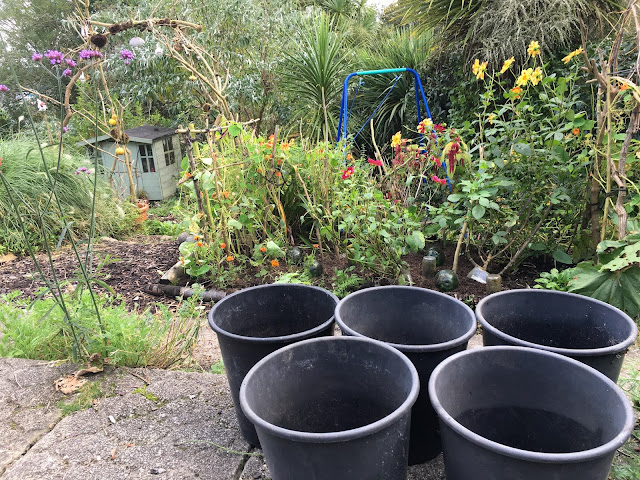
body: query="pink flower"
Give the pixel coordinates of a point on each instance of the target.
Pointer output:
(70, 62)
(374, 162)
(66, 72)
(441, 181)
(36, 57)
(347, 173)
(3, 88)
(55, 57)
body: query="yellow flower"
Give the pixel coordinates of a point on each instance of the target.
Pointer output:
(568, 58)
(524, 77)
(491, 118)
(396, 140)
(536, 76)
(507, 65)
(478, 69)
(534, 48)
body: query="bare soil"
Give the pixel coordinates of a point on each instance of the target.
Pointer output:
(128, 267)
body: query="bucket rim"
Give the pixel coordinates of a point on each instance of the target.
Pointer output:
(420, 348)
(573, 352)
(528, 455)
(281, 338)
(343, 435)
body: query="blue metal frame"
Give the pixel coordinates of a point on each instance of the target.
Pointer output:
(344, 113)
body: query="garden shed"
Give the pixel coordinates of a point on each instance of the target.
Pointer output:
(155, 158)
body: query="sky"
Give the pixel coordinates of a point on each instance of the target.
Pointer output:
(380, 3)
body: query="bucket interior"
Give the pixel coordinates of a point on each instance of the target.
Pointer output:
(274, 311)
(530, 401)
(329, 386)
(553, 320)
(406, 316)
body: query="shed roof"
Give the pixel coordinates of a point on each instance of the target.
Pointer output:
(144, 134)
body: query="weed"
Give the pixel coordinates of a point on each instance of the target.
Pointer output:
(346, 282)
(148, 395)
(84, 399)
(217, 368)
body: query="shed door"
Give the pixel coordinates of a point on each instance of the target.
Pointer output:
(149, 178)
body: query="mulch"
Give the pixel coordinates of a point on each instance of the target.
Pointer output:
(129, 266)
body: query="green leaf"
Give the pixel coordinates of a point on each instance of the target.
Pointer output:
(561, 256)
(619, 288)
(235, 224)
(558, 136)
(201, 270)
(454, 197)
(415, 241)
(630, 255)
(234, 130)
(274, 250)
(478, 212)
(523, 149)
(484, 201)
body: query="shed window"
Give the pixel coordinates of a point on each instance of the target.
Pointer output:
(169, 152)
(146, 158)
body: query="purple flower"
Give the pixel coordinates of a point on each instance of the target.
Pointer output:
(126, 55)
(67, 72)
(65, 129)
(54, 56)
(82, 170)
(70, 62)
(88, 54)
(36, 57)
(3, 88)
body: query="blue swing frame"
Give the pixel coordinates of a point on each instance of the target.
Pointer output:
(344, 104)
(344, 113)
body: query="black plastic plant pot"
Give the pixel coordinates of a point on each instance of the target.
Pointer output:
(520, 413)
(333, 408)
(588, 330)
(426, 326)
(252, 323)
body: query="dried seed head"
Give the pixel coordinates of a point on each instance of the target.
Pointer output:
(99, 40)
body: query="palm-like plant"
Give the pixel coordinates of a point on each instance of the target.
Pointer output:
(397, 49)
(498, 29)
(314, 74)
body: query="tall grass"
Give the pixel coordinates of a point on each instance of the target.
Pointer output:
(26, 173)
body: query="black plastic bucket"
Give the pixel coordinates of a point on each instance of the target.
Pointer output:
(515, 413)
(427, 327)
(591, 331)
(252, 323)
(333, 408)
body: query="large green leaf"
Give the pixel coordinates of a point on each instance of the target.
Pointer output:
(619, 288)
(415, 241)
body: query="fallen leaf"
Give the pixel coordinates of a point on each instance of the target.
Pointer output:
(84, 371)
(69, 384)
(9, 257)
(113, 453)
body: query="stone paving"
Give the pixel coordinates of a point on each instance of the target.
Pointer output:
(145, 424)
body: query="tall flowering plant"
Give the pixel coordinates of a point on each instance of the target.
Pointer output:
(423, 167)
(533, 138)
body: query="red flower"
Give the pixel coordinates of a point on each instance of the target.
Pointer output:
(439, 128)
(347, 173)
(441, 181)
(374, 162)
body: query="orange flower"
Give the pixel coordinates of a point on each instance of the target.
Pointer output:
(624, 86)
(187, 174)
(263, 249)
(230, 258)
(278, 174)
(349, 156)
(268, 157)
(275, 263)
(315, 245)
(197, 237)
(226, 194)
(223, 245)
(285, 146)
(181, 260)
(575, 131)
(517, 91)
(279, 161)
(200, 244)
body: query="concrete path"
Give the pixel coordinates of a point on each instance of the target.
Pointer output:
(143, 424)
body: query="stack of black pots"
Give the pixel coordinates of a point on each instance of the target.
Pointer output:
(399, 386)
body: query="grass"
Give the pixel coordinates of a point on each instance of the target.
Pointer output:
(39, 330)
(46, 212)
